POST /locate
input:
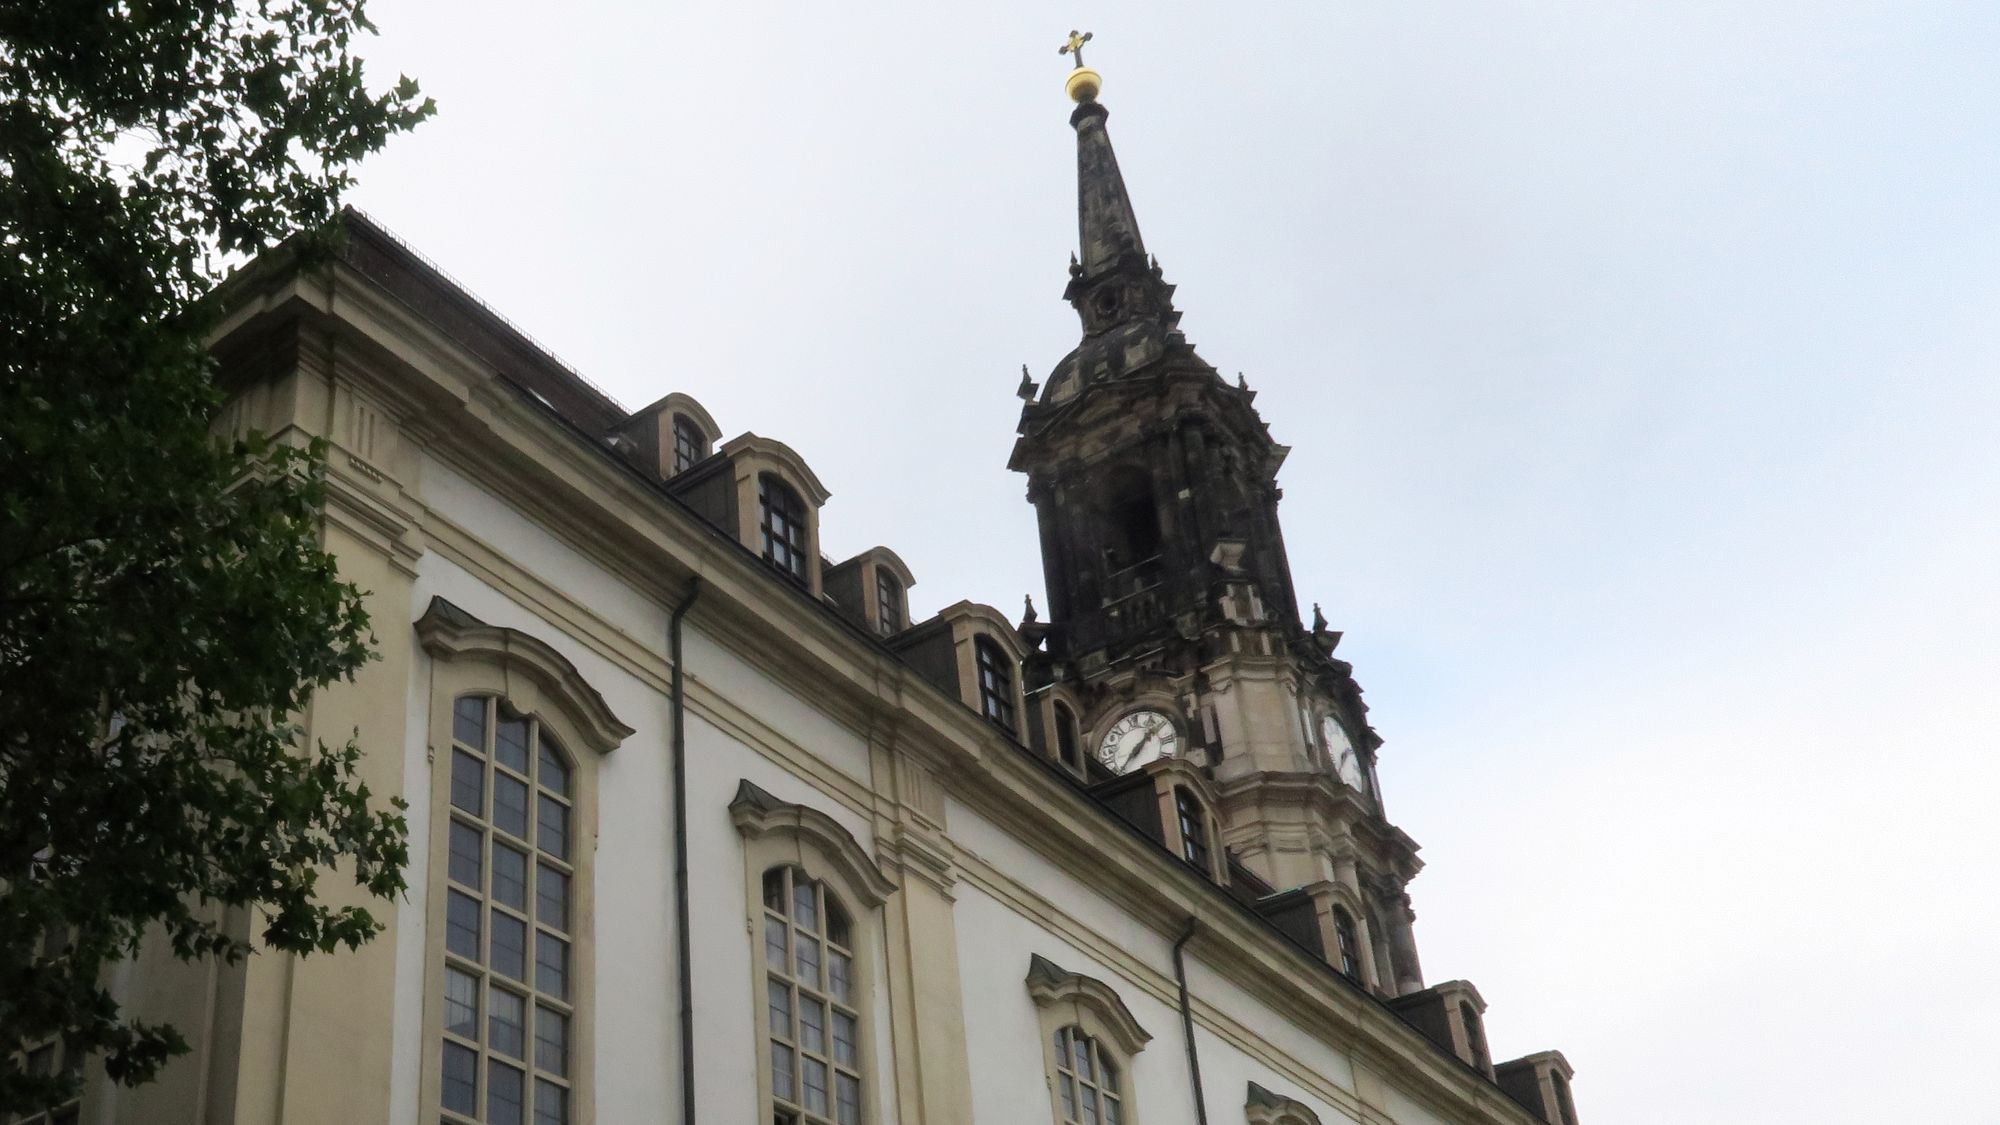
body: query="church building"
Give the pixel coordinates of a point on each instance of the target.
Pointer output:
(704, 828)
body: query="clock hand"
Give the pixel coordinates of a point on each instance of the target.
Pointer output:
(1134, 755)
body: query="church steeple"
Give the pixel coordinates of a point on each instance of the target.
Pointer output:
(1107, 230)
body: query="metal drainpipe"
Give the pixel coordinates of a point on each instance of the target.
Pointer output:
(1187, 1024)
(681, 926)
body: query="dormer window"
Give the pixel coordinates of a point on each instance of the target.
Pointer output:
(1194, 830)
(784, 526)
(1349, 947)
(996, 683)
(888, 602)
(690, 444)
(1069, 744)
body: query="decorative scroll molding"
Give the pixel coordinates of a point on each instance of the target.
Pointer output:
(759, 815)
(1098, 1008)
(450, 633)
(1262, 1107)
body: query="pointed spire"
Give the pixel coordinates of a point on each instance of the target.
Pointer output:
(1107, 229)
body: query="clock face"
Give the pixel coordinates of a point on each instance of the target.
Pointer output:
(1136, 739)
(1346, 759)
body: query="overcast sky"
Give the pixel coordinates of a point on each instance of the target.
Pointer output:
(1641, 363)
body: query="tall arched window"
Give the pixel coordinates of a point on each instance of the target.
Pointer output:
(1194, 829)
(1069, 745)
(508, 1000)
(1349, 950)
(690, 444)
(786, 541)
(1089, 1040)
(1086, 1081)
(996, 682)
(814, 1024)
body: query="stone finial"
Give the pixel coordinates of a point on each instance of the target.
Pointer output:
(1028, 615)
(1319, 619)
(1026, 391)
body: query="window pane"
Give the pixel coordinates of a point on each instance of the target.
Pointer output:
(774, 944)
(461, 924)
(812, 1085)
(461, 1003)
(808, 962)
(847, 1099)
(552, 834)
(778, 1001)
(505, 1097)
(551, 1103)
(468, 783)
(554, 774)
(468, 721)
(844, 1037)
(464, 863)
(837, 930)
(552, 1041)
(1110, 1109)
(1081, 1048)
(552, 898)
(812, 1025)
(461, 1077)
(510, 946)
(510, 743)
(840, 976)
(510, 805)
(552, 965)
(781, 1071)
(510, 876)
(1068, 1097)
(1089, 1099)
(507, 1023)
(774, 889)
(805, 906)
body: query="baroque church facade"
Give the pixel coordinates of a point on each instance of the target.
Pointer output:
(705, 828)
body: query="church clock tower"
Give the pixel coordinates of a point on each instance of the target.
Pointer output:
(1174, 632)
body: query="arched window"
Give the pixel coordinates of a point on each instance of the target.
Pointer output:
(1069, 745)
(819, 894)
(1349, 950)
(810, 1002)
(1475, 1036)
(888, 602)
(1089, 1039)
(1194, 829)
(996, 682)
(690, 443)
(784, 526)
(508, 996)
(1086, 1081)
(1131, 518)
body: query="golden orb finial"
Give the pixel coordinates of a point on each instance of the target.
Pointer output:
(1083, 83)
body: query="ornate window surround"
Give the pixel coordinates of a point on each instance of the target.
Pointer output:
(470, 657)
(778, 833)
(1263, 1107)
(1065, 999)
(1171, 774)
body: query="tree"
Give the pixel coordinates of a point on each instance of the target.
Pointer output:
(165, 607)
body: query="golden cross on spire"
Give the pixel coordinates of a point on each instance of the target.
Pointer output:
(1074, 46)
